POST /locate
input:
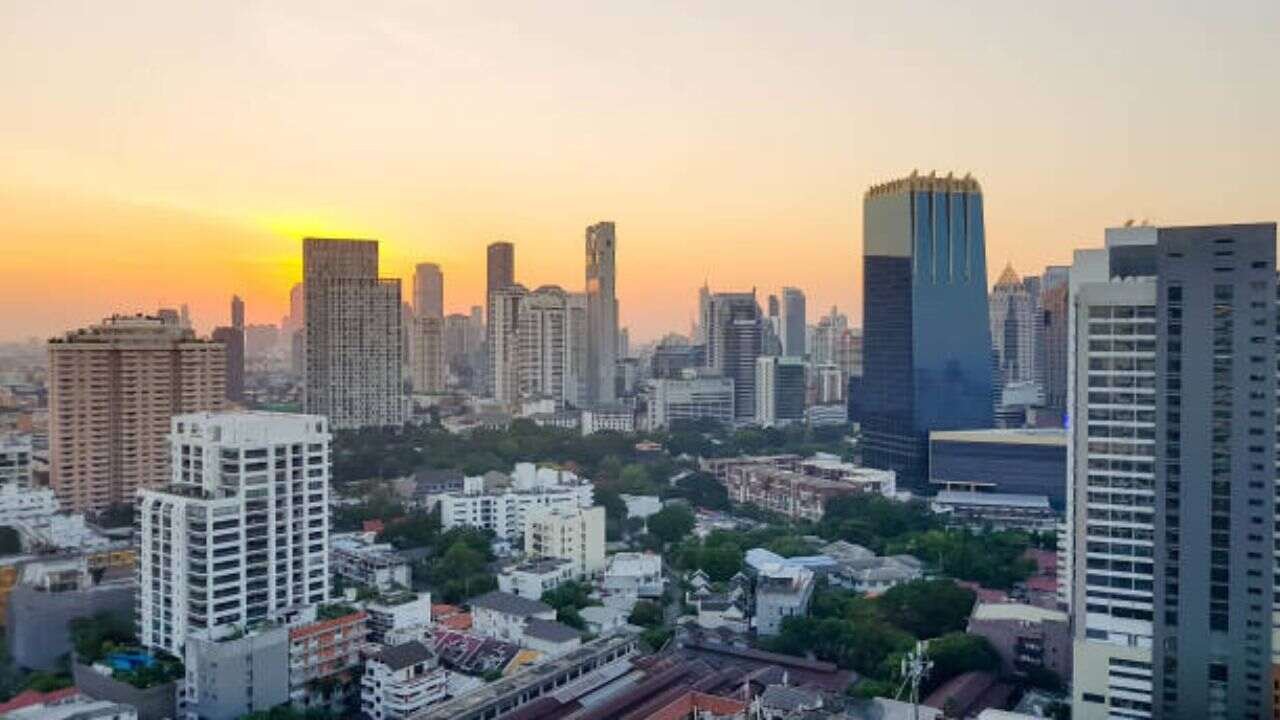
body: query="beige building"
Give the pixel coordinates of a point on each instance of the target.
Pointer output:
(572, 533)
(112, 389)
(426, 348)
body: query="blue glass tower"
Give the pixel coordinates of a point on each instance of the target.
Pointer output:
(927, 362)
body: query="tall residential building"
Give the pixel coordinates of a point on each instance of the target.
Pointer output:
(793, 327)
(1053, 342)
(504, 342)
(1014, 314)
(704, 314)
(1172, 466)
(242, 532)
(780, 390)
(926, 329)
(112, 389)
(500, 271)
(735, 336)
(427, 348)
(569, 532)
(428, 291)
(543, 344)
(237, 312)
(232, 338)
(577, 337)
(602, 314)
(297, 308)
(15, 462)
(355, 336)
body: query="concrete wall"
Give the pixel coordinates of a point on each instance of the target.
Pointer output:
(232, 678)
(39, 622)
(154, 703)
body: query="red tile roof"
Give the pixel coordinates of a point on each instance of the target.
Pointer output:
(29, 698)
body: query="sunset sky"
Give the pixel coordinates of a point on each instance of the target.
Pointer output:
(154, 153)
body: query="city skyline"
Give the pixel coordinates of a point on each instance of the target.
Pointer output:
(425, 167)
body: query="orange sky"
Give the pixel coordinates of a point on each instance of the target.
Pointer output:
(157, 153)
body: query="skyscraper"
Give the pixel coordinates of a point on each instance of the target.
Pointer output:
(428, 291)
(354, 335)
(112, 389)
(734, 341)
(1053, 342)
(232, 338)
(237, 312)
(500, 273)
(543, 338)
(427, 348)
(927, 337)
(504, 342)
(1014, 316)
(1171, 515)
(602, 314)
(240, 532)
(792, 328)
(780, 390)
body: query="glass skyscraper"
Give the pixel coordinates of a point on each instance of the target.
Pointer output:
(926, 334)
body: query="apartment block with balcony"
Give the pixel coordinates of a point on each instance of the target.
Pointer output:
(325, 654)
(401, 681)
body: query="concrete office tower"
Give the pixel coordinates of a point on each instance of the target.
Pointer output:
(926, 329)
(504, 342)
(792, 328)
(1170, 512)
(428, 291)
(690, 397)
(1014, 316)
(704, 314)
(232, 338)
(242, 531)
(1054, 293)
(780, 391)
(15, 462)
(543, 344)
(501, 273)
(624, 343)
(355, 336)
(237, 312)
(112, 389)
(426, 347)
(577, 333)
(602, 314)
(735, 336)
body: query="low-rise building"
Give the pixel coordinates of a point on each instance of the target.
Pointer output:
(550, 637)
(861, 570)
(782, 591)
(998, 511)
(531, 578)
(693, 396)
(234, 676)
(503, 615)
(357, 558)
(400, 681)
(65, 704)
(324, 656)
(15, 461)
(803, 496)
(1021, 462)
(398, 614)
(641, 506)
(600, 619)
(49, 594)
(612, 418)
(499, 502)
(1025, 637)
(569, 532)
(639, 574)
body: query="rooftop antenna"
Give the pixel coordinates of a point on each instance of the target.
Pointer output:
(915, 668)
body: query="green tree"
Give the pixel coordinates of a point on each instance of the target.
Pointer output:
(722, 562)
(634, 480)
(703, 491)
(569, 595)
(956, 653)
(646, 614)
(671, 523)
(927, 608)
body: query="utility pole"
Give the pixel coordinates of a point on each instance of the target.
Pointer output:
(915, 667)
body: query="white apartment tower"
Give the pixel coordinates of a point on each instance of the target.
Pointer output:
(568, 532)
(241, 533)
(504, 342)
(1111, 459)
(602, 314)
(354, 335)
(543, 336)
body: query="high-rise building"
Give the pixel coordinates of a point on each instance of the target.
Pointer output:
(297, 308)
(734, 340)
(1171, 464)
(926, 329)
(543, 332)
(426, 347)
(792, 328)
(704, 314)
(354, 335)
(232, 338)
(1053, 343)
(428, 291)
(577, 329)
(500, 273)
(504, 342)
(624, 343)
(780, 390)
(112, 389)
(1014, 316)
(602, 314)
(241, 533)
(237, 312)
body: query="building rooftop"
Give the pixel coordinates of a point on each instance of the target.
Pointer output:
(402, 656)
(1018, 436)
(961, 497)
(1016, 611)
(509, 604)
(539, 566)
(627, 563)
(789, 699)
(550, 630)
